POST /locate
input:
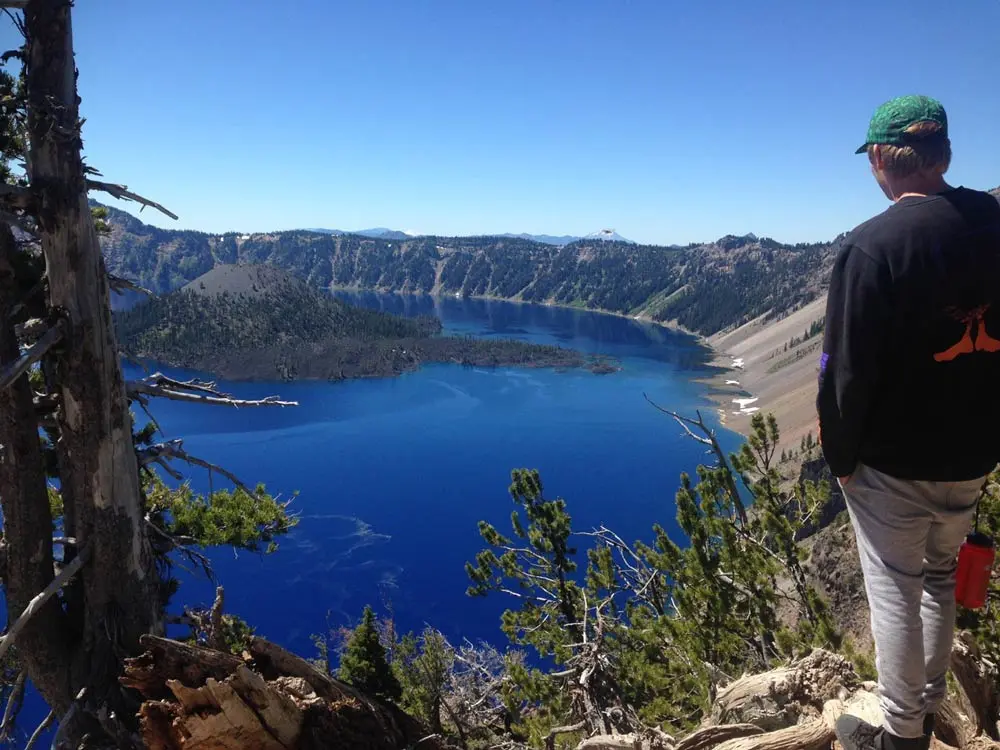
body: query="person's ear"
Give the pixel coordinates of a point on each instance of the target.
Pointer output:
(875, 157)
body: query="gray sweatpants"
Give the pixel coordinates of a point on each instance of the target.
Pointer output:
(908, 536)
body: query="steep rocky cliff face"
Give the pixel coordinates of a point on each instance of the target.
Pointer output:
(704, 287)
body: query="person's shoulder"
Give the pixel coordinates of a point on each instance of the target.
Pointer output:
(987, 201)
(866, 238)
(984, 195)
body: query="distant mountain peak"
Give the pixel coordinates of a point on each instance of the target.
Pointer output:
(607, 235)
(384, 234)
(731, 241)
(379, 233)
(546, 239)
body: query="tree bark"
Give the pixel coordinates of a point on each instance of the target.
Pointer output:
(777, 699)
(42, 645)
(708, 737)
(811, 735)
(980, 682)
(117, 597)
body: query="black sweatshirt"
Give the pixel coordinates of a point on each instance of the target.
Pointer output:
(909, 378)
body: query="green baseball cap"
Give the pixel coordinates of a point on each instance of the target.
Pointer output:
(890, 121)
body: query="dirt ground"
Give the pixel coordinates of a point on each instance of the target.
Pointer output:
(783, 380)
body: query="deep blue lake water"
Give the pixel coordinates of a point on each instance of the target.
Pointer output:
(393, 475)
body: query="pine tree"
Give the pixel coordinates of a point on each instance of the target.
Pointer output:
(423, 667)
(363, 663)
(653, 627)
(114, 580)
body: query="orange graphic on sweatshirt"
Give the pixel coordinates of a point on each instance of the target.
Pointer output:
(975, 339)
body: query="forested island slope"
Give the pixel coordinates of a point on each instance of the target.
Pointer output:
(250, 322)
(704, 288)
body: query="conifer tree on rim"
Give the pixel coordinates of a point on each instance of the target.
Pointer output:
(79, 599)
(363, 663)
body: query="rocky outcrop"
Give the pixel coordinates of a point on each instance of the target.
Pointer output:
(834, 569)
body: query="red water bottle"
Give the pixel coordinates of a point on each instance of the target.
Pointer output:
(975, 565)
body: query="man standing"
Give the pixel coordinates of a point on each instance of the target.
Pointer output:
(908, 403)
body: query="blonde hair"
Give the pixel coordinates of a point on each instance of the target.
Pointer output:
(930, 152)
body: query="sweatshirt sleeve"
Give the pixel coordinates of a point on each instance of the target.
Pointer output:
(857, 322)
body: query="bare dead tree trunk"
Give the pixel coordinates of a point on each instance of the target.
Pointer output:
(27, 518)
(117, 590)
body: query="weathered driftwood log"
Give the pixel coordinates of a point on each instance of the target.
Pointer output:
(624, 742)
(779, 698)
(954, 726)
(980, 681)
(200, 699)
(811, 735)
(709, 737)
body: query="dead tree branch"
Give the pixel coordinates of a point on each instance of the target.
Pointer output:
(707, 437)
(14, 703)
(35, 604)
(121, 192)
(30, 356)
(183, 545)
(120, 286)
(215, 637)
(31, 329)
(46, 723)
(194, 391)
(175, 449)
(550, 738)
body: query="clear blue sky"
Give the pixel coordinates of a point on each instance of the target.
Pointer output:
(669, 121)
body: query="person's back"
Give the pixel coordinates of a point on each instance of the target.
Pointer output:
(907, 404)
(934, 411)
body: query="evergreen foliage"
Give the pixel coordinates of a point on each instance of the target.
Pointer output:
(190, 326)
(815, 329)
(423, 666)
(363, 663)
(630, 637)
(234, 637)
(671, 619)
(231, 517)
